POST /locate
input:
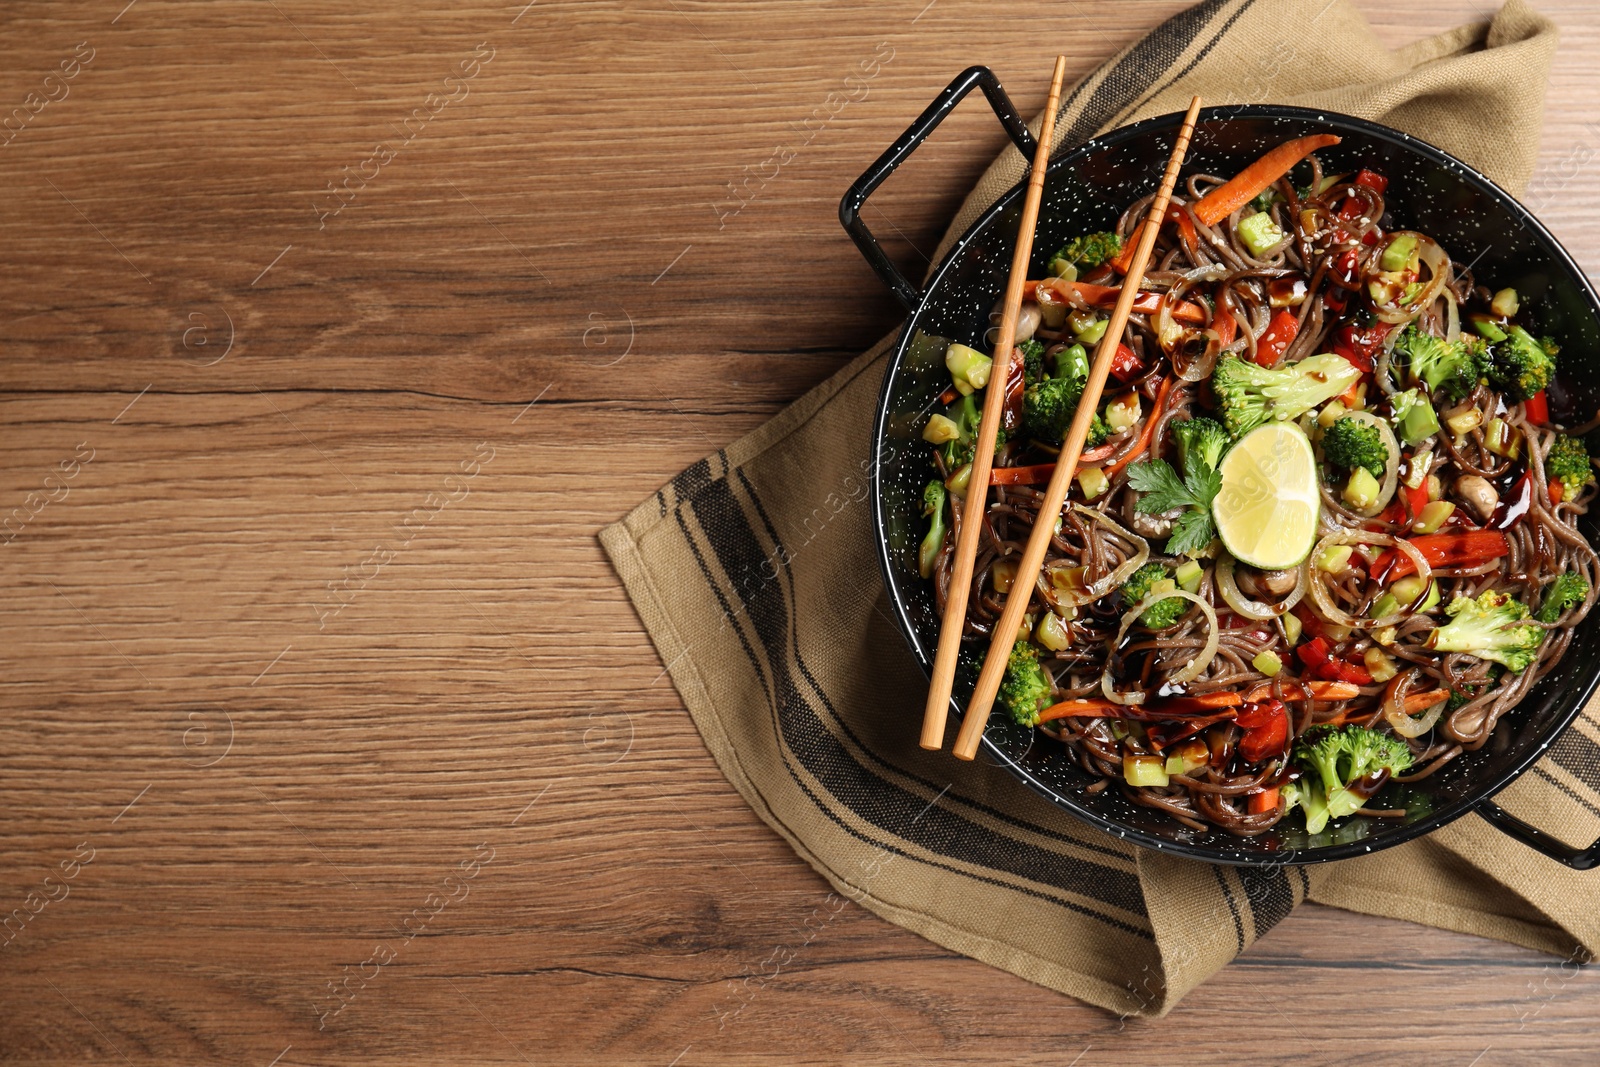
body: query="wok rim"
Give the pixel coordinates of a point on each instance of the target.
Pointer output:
(1218, 851)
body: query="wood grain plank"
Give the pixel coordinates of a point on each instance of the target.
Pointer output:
(281, 666)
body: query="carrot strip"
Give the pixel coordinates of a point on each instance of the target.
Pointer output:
(1091, 708)
(1124, 259)
(1171, 708)
(1148, 431)
(1251, 182)
(1420, 702)
(1186, 230)
(1222, 698)
(1105, 296)
(1316, 690)
(1037, 474)
(1040, 473)
(1416, 703)
(1348, 716)
(1264, 801)
(1186, 234)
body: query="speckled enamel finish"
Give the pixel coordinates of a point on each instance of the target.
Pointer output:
(1087, 188)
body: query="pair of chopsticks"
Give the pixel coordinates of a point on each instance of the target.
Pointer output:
(1005, 632)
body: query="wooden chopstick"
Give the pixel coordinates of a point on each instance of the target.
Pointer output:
(1005, 631)
(955, 608)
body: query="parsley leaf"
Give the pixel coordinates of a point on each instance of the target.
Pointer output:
(1203, 481)
(1191, 532)
(1164, 491)
(1159, 483)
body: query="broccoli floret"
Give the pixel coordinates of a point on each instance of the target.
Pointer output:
(966, 415)
(1334, 761)
(1203, 437)
(1251, 396)
(1025, 691)
(1520, 366)
(933, 507)
(1569, 461)
(1493, 627)
(1159, 615)
(1451, 369)
(1089, 250)
(1306, 795)
(1351, 443)
(1561, 595)
(1032, 359)
(1048, 408)
(957, 454)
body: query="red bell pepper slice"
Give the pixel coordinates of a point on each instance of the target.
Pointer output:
(1314, 653)
(1266, 730)
(1125, 365)
(1361, 345)
(1467, 549)
(1416, 500)
(1317, 655)
(1310, 625)
(1278, 335)
(1372, 180)
(1347, 266)
(1394, 513)
(1343, 671)
(1537, 408)
(1557, 491)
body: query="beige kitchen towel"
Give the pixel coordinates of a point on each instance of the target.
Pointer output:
(755, 573)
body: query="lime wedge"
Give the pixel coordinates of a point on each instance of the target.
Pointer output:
(1266, 510)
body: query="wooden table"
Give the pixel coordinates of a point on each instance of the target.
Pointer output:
(330, 340)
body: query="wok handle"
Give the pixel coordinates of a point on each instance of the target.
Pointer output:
(856, 198)
(1579, 859)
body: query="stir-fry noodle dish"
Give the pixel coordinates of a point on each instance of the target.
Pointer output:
(1325, 530)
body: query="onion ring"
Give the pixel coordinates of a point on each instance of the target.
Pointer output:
(1324, 604)
(1095, 590)
(1391, 464)
(1438, 261)
(1258, 610)
(1191, 670)
(1394, 708)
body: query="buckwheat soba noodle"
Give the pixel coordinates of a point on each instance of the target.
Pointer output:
(1325, 529)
